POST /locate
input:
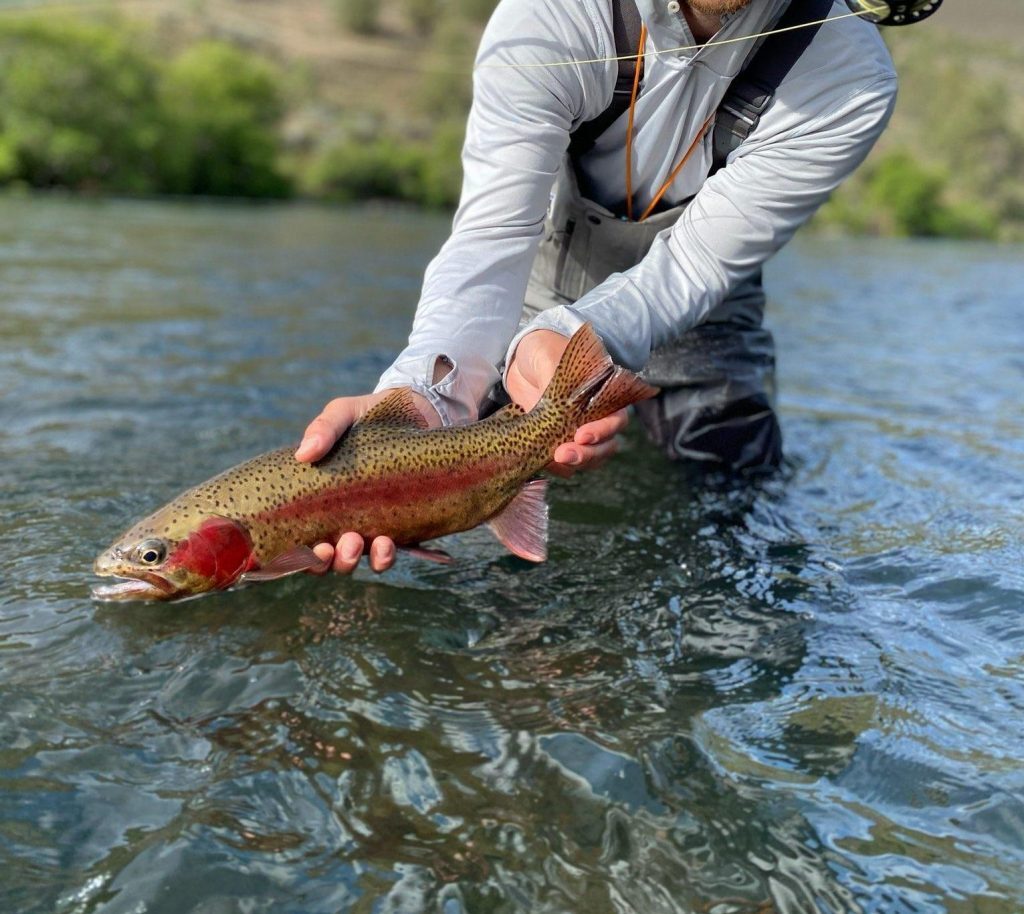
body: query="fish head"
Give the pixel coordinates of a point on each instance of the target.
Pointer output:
(169, 556)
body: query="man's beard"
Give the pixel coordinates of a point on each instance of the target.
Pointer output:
(717, 7)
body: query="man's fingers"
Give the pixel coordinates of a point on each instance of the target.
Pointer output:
(382, 554)
(348, 552)
(585, 457)
(532, 366)
(338, 416)
(523, 392)
(325, 429)
(324, 552)
(602, 429)
(560, 470)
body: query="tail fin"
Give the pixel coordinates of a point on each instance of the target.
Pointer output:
(590, 382)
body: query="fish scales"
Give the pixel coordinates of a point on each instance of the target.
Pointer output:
(388, 475)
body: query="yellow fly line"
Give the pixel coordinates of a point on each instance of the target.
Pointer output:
(458, 65)
(656, 52)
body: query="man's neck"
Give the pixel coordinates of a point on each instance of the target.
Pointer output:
(703, 25)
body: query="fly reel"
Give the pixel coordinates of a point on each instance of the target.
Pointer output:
(894, 12)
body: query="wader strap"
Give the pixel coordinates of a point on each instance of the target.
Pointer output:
(626, 23)
(749, 94)
(752, 91)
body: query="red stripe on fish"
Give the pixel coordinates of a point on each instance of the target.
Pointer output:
(399, 491)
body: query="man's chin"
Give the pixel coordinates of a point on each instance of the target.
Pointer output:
(717, 7)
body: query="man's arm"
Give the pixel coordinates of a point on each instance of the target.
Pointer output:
(516, 136)
(473, 292)
(824, 121)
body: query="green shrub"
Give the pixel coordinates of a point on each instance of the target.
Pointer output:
(387, 167)
(442, 168)
(960, 113)
(895, 194)
(78, 107)
(911, 197)
(906, 194)
(83, 106)
(222, 107)
(8, 159)
(358, 170)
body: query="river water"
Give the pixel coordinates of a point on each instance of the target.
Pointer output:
(805, 695)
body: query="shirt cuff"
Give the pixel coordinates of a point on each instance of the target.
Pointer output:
(457, 396)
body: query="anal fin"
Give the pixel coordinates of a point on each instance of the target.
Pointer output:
(522, 525)
(301, 558)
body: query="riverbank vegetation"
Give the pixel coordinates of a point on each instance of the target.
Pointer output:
(353, 99)
(87, 106)
(951, 162)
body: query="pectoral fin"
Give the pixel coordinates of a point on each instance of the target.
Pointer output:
(431, 555)
(522, 525)
(301, 558)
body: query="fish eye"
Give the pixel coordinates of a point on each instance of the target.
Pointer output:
(151, 552)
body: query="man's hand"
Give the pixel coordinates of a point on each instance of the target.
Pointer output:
(317, 440)
(529, 373)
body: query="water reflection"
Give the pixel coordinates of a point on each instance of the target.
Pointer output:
(799, 695)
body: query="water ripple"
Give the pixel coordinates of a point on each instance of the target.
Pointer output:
(799, 694)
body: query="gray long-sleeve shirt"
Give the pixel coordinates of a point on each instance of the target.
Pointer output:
(826, 116)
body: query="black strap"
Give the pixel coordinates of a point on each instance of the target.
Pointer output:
(748, 96)
(626, 24)
(752, 91)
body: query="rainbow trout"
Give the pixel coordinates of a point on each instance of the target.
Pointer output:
(388, 475)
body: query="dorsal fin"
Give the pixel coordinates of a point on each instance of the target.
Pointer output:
(397, 409)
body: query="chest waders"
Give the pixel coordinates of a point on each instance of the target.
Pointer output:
(718, 379)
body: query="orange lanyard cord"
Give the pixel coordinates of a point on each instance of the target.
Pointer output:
(675, 171)
(629, 141)
(629, 123)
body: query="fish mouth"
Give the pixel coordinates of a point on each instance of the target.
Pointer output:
(147, 586)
